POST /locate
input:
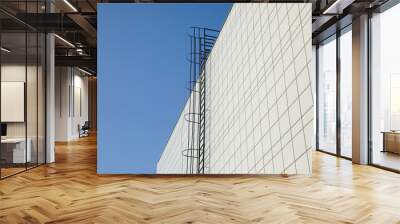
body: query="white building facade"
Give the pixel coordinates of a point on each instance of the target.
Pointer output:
(259, 98)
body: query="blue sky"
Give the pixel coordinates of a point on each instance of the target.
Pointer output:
(142, 74)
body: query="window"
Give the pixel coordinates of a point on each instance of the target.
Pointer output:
(385, 89)
(22, 108)
(346, 93)
(327, 97)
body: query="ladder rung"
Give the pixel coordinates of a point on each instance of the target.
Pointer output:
(201, 138)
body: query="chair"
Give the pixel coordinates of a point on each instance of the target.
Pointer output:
(84, 129)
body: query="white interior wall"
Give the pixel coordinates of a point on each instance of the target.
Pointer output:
(32, 128)
(61, 103)
(69, 82)
(80, 104)
(16, 72)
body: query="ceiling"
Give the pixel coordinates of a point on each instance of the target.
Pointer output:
(75, 22)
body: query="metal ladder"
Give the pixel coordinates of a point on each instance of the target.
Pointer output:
(202, 42)
(202, 124)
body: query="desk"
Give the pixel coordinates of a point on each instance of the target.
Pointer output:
(391, 141)
(16, 153)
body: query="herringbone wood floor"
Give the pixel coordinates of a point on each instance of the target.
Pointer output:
(70, 191)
